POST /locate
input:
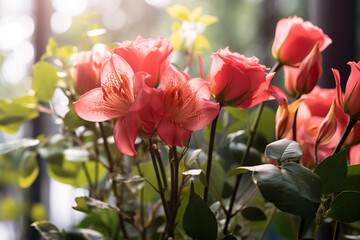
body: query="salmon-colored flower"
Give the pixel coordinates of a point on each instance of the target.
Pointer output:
(238, 81)
(147, 55)
(88, 67)
(122, 95)
(294, 39)
(311, 114)
(187, 106)
(350, 101)
(302, 80)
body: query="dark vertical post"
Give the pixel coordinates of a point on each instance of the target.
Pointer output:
(338, 20)
(42, 11)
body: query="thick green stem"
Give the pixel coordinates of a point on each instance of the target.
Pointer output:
(210, 154)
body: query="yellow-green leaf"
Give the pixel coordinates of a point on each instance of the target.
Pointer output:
(45, 80)
(28, 169)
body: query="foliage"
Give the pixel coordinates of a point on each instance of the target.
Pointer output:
(165, 160)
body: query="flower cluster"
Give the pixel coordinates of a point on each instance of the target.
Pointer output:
(321, 118)
(128, 80)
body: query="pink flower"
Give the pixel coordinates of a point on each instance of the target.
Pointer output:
(122, 95)
(87, 71)
(302, 80)
(294, 39)
(354, 154)
(350, 101)
(147, 55)
(311, 114)
(187, 106)
(238, 81)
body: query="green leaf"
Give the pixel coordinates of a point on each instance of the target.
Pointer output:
(283, 149)
(229, 237)
(84, 234)
(253, 214)
(52, 50)
(352, 180)
(45, 80)
(38, 212)
(345, 207)
(16, 144)
(291, 188)
(199, 221)
(91, 205)
(72, 120)
(237, 113)
(147, 169)
(76, 154)
(238, 149)
(266, 126)
(28, 169)
(48, 230)
(10, 208)
(73, 173)
(332, 172)
(259, 168)
(16, 112)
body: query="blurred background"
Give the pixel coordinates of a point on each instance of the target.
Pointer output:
(246, 26)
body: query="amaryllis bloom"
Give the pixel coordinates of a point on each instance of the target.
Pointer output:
(311, 114)
(294, 39)
(88, 67)
(122, 95)
(238, 81)
(187, 106)
(147, 55)
(350, 101)
(302, 80)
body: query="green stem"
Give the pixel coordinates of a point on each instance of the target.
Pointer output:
(161, 189)
(268, 224)
(174, 162)
(350, 125)
(294, 125)
(238, 177)
(301, 228)
(106, 146)
(121, 223)
(252, 131)
(316, 153)
(210, 154)
(336, 230)
(161, 165)
(87, 175)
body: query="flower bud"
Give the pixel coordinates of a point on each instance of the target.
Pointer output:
(350, 100)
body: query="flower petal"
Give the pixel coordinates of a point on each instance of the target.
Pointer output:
(113, 71)
(92, 107)
(202, 116)
(338, 86)
(171, 133)
(125, 133)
